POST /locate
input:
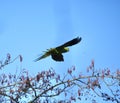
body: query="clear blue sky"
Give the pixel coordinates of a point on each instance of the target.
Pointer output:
(30, 27)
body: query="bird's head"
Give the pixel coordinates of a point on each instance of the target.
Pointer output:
(65, 50)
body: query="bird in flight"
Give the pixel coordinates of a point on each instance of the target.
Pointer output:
(56, 53)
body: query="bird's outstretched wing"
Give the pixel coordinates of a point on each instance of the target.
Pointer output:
(71, 42)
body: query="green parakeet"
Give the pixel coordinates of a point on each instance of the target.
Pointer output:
(56, 53)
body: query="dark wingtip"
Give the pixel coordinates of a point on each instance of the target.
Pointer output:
(35, 60)
(78, 39)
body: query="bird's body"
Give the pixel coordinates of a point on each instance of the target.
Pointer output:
(56, 53)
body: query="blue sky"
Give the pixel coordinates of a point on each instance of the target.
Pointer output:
(30, 27)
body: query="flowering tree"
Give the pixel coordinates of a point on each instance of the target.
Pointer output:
(47, 86)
